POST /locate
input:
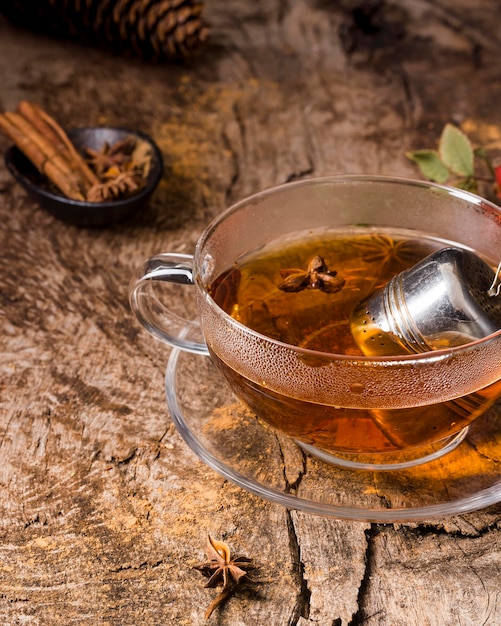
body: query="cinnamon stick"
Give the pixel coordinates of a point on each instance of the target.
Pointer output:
(50, 129)
(40, 141)
(40, 152)
(30, 112)
(51, 151)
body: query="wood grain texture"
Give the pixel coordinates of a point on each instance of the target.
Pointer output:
(104, 510)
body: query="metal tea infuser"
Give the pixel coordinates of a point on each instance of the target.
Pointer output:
(448, 299)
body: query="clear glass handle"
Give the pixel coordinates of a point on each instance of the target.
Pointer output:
(157, 318)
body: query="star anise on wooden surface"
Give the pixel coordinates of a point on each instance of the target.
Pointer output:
(223, 570)
(316, 276)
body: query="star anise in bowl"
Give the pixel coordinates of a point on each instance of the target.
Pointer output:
(86, 176)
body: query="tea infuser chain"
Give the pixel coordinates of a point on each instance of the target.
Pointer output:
(495, 288)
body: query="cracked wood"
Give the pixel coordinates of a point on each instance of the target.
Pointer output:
(103, 509)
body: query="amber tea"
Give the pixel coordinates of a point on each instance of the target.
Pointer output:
(277, 277)
(302, 292)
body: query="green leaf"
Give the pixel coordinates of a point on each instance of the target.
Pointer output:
(456, 151)
(468, 184)
(430, 165)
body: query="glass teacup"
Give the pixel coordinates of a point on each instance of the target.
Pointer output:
(276, 277)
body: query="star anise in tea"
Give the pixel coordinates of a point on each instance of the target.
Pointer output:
(316, 276)
(382, 249)
(223, 570)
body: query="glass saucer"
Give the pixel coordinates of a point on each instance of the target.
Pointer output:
(231, 440)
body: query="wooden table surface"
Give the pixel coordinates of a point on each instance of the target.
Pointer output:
(104, 510)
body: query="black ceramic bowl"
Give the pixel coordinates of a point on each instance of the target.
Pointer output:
(78, 212)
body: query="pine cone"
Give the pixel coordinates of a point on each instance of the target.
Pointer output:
(150, 29)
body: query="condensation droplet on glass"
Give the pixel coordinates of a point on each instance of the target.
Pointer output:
(357, 387)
